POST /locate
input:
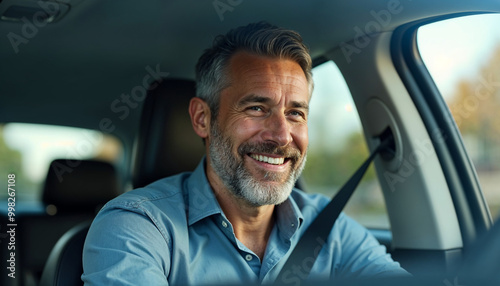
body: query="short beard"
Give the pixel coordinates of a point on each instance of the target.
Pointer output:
(240, 182)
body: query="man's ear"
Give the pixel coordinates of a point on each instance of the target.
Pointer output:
(200, 116)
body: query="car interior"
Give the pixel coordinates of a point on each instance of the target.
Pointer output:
(125, 70)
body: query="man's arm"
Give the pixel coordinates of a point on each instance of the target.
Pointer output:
(362, 254)
(125, 248)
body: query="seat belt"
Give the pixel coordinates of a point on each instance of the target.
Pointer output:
(305, 253)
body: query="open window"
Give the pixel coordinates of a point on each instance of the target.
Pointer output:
(28, 149)
(463, 57)
(337, 148)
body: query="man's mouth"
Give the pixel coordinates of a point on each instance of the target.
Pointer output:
(269, 160)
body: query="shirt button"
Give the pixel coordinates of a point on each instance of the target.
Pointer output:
(248, 257)
(224, 224)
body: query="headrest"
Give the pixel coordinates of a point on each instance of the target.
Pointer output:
(80, 185)
(166, 144)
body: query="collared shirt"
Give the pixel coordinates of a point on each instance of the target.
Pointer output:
(174, 232)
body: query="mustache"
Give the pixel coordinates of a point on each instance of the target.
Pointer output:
(270, 148)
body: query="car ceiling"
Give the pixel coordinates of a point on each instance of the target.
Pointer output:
(70, 71)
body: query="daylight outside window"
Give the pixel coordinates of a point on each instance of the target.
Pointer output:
(463, 57)
(28, 149)
(337, 148)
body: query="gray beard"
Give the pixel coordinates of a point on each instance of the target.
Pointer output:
(240, 182)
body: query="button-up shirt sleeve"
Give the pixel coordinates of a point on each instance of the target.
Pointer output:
(124, 247)
(361, 254)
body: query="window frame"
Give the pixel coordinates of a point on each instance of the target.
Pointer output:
(381, 231)
(471, 208)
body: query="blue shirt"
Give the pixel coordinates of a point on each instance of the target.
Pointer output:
(174, 232)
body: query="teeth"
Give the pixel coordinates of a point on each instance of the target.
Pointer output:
(269, 160)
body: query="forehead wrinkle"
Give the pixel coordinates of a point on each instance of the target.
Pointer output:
(277, 71)
(300, 104)
(277, 86)
(253, 98)
(277, 77)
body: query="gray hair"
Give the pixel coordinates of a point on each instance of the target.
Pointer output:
(258, 38)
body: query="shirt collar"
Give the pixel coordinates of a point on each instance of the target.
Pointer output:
(201, 198)
(203, 203)
(288, 217)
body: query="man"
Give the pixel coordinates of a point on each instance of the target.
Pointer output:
(237, 217)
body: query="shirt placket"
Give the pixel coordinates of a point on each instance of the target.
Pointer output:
(247, 255)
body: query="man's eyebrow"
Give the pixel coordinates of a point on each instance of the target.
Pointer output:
(300, 104)
(253, 98)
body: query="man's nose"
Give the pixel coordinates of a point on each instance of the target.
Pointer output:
(278, 130)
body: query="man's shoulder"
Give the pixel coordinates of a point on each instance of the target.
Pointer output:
(164, 191)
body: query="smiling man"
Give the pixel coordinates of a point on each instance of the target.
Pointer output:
(257, 141)
(237, 217)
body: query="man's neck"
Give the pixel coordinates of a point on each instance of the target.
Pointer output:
(252, 225)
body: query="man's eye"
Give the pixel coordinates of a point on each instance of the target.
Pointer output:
(296, 113)
(255, 108)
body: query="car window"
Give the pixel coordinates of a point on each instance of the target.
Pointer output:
(463, 57)
(27, 150)
(337, 148)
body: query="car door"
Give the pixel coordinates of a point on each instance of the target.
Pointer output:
(433, 205)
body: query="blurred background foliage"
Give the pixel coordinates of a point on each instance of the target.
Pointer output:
(11, 163)
(475, 106)
(333, 169)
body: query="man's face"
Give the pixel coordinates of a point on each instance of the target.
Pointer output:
(258, 145)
